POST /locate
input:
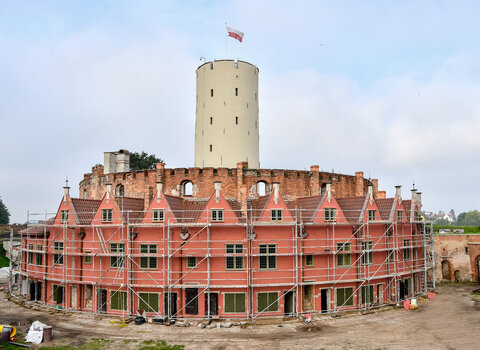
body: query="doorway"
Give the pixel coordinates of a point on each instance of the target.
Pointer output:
(102, 301)
(74, 300)
(191, 301)
(308, 297)
(401, 290)
(290, 309)
(446, 270)
(211, 299)
(324, 300)
(35, 291)
(478, 268)
(170, 304)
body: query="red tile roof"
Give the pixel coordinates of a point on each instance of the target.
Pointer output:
(308, 207)
(352, 208)
(385, 206)
(131, 208)
(38, 229)
(85, 209)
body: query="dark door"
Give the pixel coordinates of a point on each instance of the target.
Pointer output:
(102, 301)
(32, 290)
(307, 298)
(289, 304)
(401, 288)
(170, 304)
(324, 300)
(211, 299)
(191, 301)
(38, 291)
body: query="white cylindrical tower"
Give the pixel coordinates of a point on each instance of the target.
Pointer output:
(226, 126)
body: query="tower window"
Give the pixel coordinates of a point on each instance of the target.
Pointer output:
(211, 148)
(211, 92)
(211, 120)
(255, 96)
(256, 124)
(236, 91)
(236, 120)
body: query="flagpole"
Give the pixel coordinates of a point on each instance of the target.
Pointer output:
(226, 41)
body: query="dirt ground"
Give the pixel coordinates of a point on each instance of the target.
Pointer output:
(449, 321)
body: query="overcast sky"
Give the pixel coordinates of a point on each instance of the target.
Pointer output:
(390, 88)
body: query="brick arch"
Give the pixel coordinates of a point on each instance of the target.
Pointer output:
(262, 187)
(186, 187)
(477, 267)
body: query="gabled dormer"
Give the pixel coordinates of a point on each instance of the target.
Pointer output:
(370, 211)
(65, 213)
(274, 210)
(218, 209)
(159, 211)
(328, 209)
(108, 212)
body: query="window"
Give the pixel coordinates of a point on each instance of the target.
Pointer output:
(57, 294)
(371, 215)
(234, 302)
(236, 91)
(88, 258)
(39, 256)
(234, 258)
(191, 262)
(158, 215)
(148, 302)
(399, 215)
(64, 216)
(211, 120)
(466, 250)
(309, 260)
(342, 258)
(255, 96)
(276, 214)
(267, 301)
(407, 285)
(58, 257)
(329, 214)
(268, 259)
(117, 261)
(344, 296)
(106, 215)
(30, 254)
(118, 300)
(236, 120)
(211, 148)
(367, 256)
(217, 214)
(367, 294)
(148, 262)
(406, 251)
(211, 92)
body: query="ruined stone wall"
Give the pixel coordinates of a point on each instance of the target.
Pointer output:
(240, 183)
(456, 257)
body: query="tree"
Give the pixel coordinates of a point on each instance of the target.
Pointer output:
(4, 214)
(470, 218)
(452, 213)
(143, 161)
(441, 222)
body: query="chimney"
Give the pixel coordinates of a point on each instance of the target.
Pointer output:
(109, 190)
(159, 190)
(329, 191)
(419, 198)
(276, 191)
(370, 192)
(414, 195)
(398, 192)
(218, 188)
(66, 191)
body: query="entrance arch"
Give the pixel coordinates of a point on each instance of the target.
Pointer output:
(477, 266)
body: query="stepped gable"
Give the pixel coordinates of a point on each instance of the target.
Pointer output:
(386, 208)
(353, 208)
(85, 209)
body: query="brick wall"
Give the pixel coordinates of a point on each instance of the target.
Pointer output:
(239, 183)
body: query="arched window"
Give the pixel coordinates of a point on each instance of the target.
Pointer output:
(187, 188)
(261, 188)
(120, 190)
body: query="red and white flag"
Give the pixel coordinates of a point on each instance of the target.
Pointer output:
(234, 33)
